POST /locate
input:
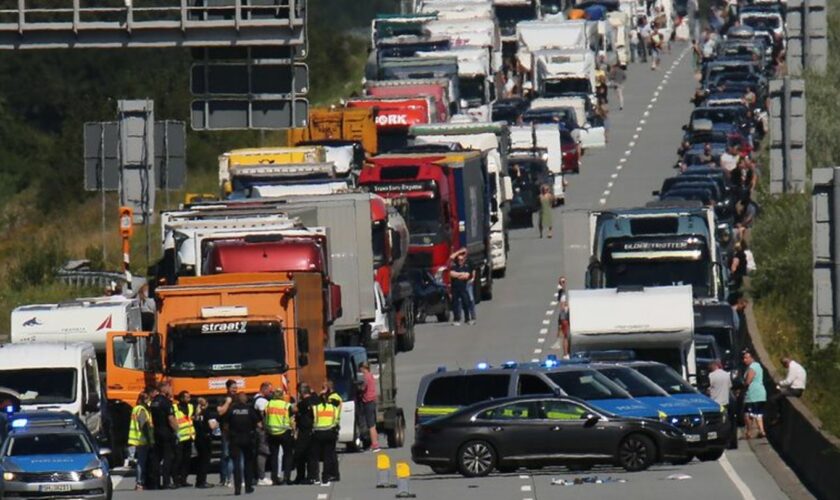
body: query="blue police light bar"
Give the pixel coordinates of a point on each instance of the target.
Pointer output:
(482, 366)
(10, 409)
(509, 364)
(19, 423)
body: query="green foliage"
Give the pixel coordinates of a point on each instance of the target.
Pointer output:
(37, 267)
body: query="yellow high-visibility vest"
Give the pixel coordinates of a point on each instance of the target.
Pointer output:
(186, 429)
(326, 416)
(136, 436)
(277, 418)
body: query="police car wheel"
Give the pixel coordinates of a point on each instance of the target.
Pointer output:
(476, 459)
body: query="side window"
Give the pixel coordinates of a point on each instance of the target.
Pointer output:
(131, 354)
(484, 387)
(92, 382)
(445, 391)
(562, 410)
(513, 411)
(531, 384)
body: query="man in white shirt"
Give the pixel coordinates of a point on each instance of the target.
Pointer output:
(729, 159)
(720, 383)
(794, 383)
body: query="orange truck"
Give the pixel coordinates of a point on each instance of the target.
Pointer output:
(247, 327)
(335, 123)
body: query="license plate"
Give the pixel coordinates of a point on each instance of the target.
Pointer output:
(54, 488)
(692, 438)
(713, 435)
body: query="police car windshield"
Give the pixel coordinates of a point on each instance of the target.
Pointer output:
(227, 348)
(587, 385)
(631, 381)
(41, 385)
(666, 378)
(48, 444)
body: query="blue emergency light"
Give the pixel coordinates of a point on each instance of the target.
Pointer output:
(441, 369)
(10, 409)
(551, 361)
(509, 364)
(482, 366)
(19, 423)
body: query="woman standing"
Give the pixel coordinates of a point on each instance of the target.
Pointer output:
(546, 204)
(756, 396)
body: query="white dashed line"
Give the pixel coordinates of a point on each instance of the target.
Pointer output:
(543, 331)
(549, 312)
(553, 303)
(602, 201)
(613, 176)
(610, 184)
(541, 340)
(619, 167)
(524, 476)
(623, 160)
(323, 496)
(525, 487)
(656, 94)
(537, 351)
(606, 192)
(646, 113)
(653, 100)
(535, 360)
(627, 153)
(632, 144)
(546, 322)
(642, 122)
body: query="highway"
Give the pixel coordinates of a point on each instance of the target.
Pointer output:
(520, 324)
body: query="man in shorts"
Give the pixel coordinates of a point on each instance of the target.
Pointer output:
(563, 317)
(756, 396)
(367, 412)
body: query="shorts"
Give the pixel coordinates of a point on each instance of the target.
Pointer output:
(367, 414)
(755, 409)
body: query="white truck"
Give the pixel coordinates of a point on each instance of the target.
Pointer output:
(494, 140)
(559, 72)
(656, 323)
(590, 135)
(551, 34)
(543, 136)
(57, 376)
(476, 81)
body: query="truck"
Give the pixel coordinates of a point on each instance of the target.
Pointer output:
(338, 123)
(493, 139)
(665, 243)
(550, 34)
(57, 375)
(559, 72)
(394, 116)
(413, 68)
(547, 136)
(656, 323)
(435, 88)
(477, 81)
(448, 209)
(247, 327)
(510, 13)
(246, 159)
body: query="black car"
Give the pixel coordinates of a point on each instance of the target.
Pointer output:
(509, 109)
(533, 431)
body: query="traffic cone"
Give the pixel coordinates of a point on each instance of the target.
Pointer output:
(403, 474)
(383, 471)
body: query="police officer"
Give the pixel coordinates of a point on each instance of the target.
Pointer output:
(242, 422)
(141, 437)
(184, 415)
(325, 435)
(304, 420)
(278, 428)
(205, 423)
(166, 426)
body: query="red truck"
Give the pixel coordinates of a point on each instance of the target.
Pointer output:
(394, 116)
(448, 209)
(437, 89)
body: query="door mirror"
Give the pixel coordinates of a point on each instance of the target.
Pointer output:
(591, 420)
(104, 452)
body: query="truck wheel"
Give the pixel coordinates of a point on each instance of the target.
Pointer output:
(396, 435)
(487, 291)
(500, 273)
(405, 342)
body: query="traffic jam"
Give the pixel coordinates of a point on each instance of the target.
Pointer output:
(269, 333)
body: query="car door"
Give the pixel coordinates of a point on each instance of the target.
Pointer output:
(566, 432)
(512, 429)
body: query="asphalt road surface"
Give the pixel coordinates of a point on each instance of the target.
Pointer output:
(519, 324)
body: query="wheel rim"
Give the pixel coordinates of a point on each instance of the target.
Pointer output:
(477, 458)
(634, 453)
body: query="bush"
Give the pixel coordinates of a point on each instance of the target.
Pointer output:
(37, 267)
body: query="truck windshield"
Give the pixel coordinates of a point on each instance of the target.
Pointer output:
(471, 89)
(563, 86)
(48, 444)
(41, 385)
(631, 381)
(423, 217)
(666, 378)
(587, 385)
(645, 262)
(723, 336)
(231, 347)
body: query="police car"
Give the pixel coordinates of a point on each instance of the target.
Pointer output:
(48, 461)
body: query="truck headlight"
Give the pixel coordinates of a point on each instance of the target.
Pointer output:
(8, 476)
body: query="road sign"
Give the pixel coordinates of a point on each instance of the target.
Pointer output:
(230, 114)
(102, 167)
(170, 155)
(126, 222)
(248, 78)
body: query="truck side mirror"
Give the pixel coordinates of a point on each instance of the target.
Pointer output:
(302, 339)
(153, 361)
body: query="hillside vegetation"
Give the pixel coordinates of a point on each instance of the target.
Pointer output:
(46, 97)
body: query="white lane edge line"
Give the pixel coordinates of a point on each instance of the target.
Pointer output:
(739, 483)
(524, 476)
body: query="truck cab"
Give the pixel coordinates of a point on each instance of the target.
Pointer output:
(55, 376)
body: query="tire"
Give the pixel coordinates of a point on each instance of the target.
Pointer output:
(476, 459)
(396, 436)
(443, 317)
(499, 274)
(710, 456)
(405, 342)
(487, 292)
(443, 469)
(636, 453)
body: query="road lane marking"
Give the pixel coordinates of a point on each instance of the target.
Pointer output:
(606, 192)
(543, 331)
(323, 496)
(535, 360)
(653, 100)
(610, 184)
(739, 483)
(602, 201)
(639, 129)
(525, 487)
(646, 113)
(549, 312)
(632, 144)
(541, 340)
(635, 136)
(623, 160)
(524, 476)
(628, 152)
(613, 175)
(619, 167)
(537, 351)
(553, 303)
(642, 122)
(546, 322)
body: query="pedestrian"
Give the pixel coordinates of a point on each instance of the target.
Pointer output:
(147, 308)
(601, 83)
(367, 407)
(634, 43)
(756, 396)
(304, 420)
(706, 157)
(562, 318)
(644, 38)
(546, 221)
(260, 403)
(166, 428)
(656, 42)
(280, 435)
(205, 424)
(225, 463)
(729, 159)
(324, 438)
(738, 265)
(744, 180)
(242, 424)
(184, 414)
(460, 275)
(794, 383)
(720, 383)
(617, 77)
(141, 437)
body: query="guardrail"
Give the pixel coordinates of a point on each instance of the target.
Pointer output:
(91, 279)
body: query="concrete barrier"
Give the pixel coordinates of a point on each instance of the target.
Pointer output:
(813, 454)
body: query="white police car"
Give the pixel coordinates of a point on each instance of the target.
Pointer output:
(49, 462)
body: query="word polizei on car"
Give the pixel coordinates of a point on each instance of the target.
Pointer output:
(534, 431)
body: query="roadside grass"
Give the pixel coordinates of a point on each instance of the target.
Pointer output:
(781, 240)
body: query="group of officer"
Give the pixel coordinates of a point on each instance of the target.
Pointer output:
(163, 432)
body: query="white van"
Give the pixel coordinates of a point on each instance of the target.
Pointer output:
(55, 376)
